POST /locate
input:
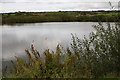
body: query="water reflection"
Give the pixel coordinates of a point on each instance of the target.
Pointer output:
(46, 35)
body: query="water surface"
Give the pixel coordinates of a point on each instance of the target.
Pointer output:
(16, 38)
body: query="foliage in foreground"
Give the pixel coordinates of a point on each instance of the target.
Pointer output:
(96, 56)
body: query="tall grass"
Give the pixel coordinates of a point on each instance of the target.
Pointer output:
(96, 56)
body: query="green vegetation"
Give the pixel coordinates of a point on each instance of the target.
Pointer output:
(70, 16)
(95, 57)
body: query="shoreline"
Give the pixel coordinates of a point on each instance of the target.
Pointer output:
(63, 16)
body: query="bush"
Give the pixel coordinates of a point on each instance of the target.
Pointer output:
(101, 51)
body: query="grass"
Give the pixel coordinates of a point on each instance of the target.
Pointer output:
(65, 16)
(95, 57)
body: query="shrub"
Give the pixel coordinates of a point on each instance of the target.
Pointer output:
(101, 51)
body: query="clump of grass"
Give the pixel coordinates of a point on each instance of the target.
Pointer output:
(96, 56)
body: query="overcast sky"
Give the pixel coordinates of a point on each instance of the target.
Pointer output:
(55, 5)
(58, 0)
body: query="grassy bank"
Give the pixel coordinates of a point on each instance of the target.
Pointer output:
(95, 57)
(70, 16)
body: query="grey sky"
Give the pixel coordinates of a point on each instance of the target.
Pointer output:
(55, 5)
(58, 0)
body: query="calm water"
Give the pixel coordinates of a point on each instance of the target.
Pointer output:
(15, 39)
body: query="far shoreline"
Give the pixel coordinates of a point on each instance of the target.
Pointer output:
(60, 16)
